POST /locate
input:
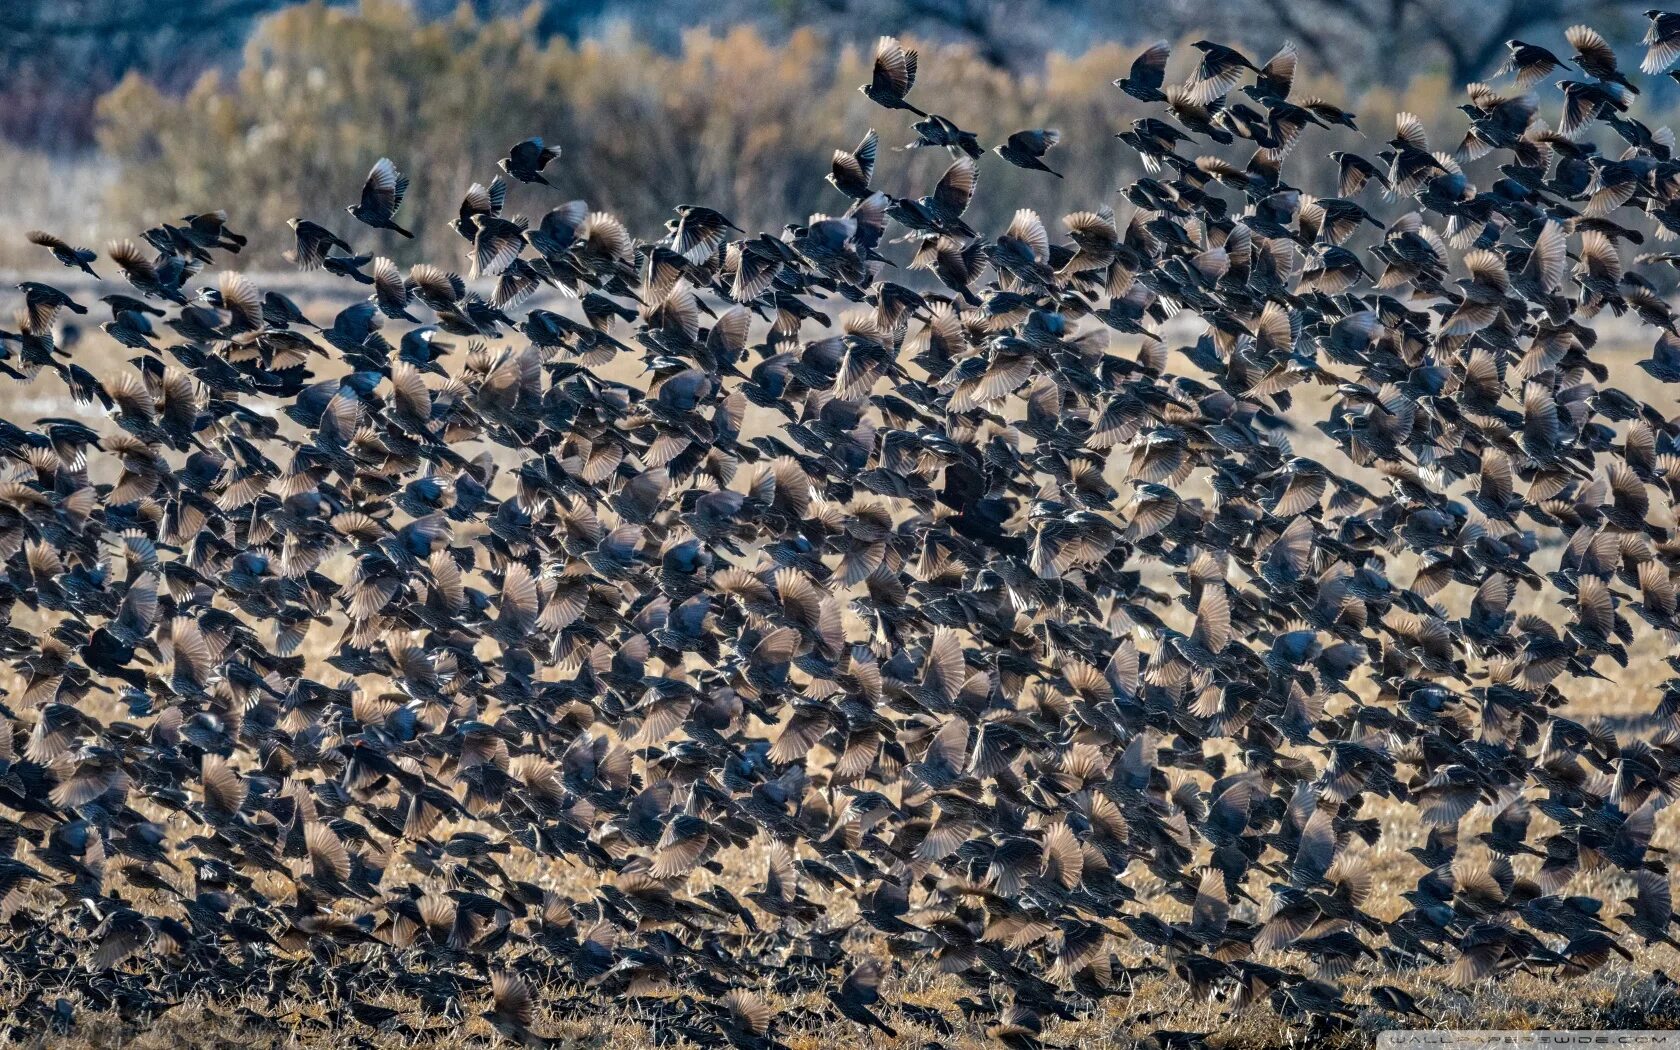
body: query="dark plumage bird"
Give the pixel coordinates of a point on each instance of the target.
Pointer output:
(512, 1009)
(1026, 149)
(382, 195)
(858, 994)
(936, 130)
(314, 244)
(1596, 57)
(1662, 41)
(527, 159)
(1149, 71)
(853, 172)
(75, 258)
(1218, 72)
(1664, 363)
(1530, 63)
(894, 76)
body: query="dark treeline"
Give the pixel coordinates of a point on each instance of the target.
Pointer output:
(58, 56)
(743, 119)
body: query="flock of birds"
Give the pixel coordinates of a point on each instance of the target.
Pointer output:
(638, 708)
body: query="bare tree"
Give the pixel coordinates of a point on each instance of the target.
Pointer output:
(58, 56)
(1388, 41)
(1470, 36)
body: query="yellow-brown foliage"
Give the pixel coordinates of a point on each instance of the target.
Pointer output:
(730, 120)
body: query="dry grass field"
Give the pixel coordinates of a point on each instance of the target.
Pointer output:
(1624, 994)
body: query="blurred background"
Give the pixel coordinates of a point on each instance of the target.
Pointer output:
(119, 113)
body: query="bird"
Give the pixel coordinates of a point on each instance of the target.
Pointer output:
(382, 195)
(314, 243)
(854, 170)
(1596, 57)
(1662, 41)
(526, 160)
(1025, 149)
(512, 1010)
(858, 993)
(894, 76)
(1148, 73)
(75, 258)
(1218, 72)
(1530, 63)
(936, 130)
